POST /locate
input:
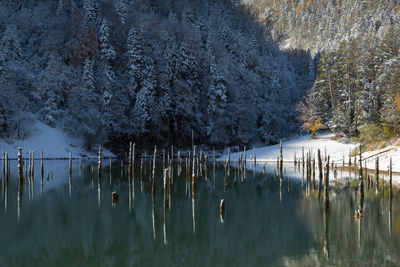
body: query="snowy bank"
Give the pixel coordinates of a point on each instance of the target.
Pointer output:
(335, 149)
(384, 158)
(53, 142)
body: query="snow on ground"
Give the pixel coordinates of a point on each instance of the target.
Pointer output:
(384, 158)
(323, 142)
(53, 142)
(335, 149)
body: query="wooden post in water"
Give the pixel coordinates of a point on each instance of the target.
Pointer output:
(26, 171)
(377, 173)
(245, 156)
(133, 162)
(110, 170)
(255, 161)
(153, 187)
(166, 183)
(70, 163)
(320, 169)
(228, 164)
(20, 166)
(130, 161)
(326, 184)
(28, 175)
(281, 163)
(307, 169)
(192, 140)
(222, 210)
(3, 164)
(163, 158)
(7, 169)
(201, 162)
(179, 163)
(360, 176)
(33, 166)
(99, 166)
(194, 170)
(214, 159)
(349, 157)
(141, 174)
(390, 179)
(41, 169)
(206, 166)
(313, 172)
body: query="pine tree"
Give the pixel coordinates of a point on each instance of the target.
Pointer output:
(87, 109)
(135, 60)
(185, 98)
(88, 84)
(171, 59)
(107, 55)
(217, 104)
(90, 7)
(122, 7)
(188, 17)
(60, 7)
(144, 106)
(107, 51)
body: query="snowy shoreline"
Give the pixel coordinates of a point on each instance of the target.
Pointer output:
(334, 149)
(54, 144)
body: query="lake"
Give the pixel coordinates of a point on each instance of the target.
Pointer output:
(73, 222)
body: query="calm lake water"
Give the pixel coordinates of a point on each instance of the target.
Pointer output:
(265, 223)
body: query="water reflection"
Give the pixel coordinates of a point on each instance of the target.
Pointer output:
(266, 221)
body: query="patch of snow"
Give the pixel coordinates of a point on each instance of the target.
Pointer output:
(384, 158)
(335, 149)
(52, 142)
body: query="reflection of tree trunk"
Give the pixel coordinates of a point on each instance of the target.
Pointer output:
(326, 235)
(165, 226)
(153, 216)
(390, 215)
(20, 186)
(360, 210)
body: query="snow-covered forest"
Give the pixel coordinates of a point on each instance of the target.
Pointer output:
(357, 45)
(148, 71)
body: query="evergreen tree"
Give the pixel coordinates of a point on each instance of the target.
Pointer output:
(107, 51)
(87, 110)
(107, 56)
(135, 60)
(90, 7)
(217, 104)
(144, 106)
(122, 7)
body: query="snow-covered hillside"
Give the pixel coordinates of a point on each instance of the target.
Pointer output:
(53, 142)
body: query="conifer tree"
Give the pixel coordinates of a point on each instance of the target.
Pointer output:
(90, 7)
(217, 104)
(144, 106)
(135, 60)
